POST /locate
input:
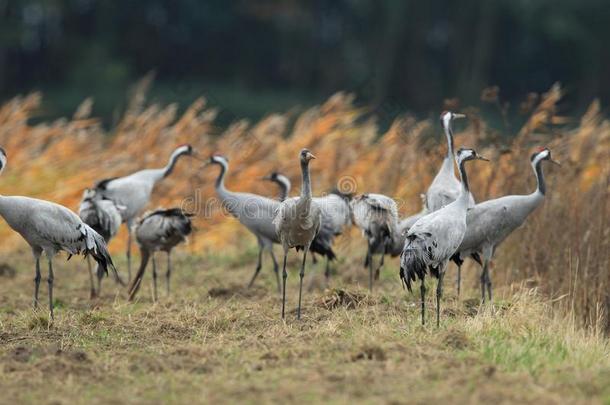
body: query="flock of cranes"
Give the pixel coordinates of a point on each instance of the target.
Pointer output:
(450, 226)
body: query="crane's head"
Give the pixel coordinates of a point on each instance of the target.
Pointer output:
(2, 159)
(466, 154)
(273, 176)
(448, 116)
(306, 156)
(277, 178)
(219, 160)
(543, 153)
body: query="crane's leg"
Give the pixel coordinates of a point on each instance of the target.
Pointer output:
(284, 277)
(369, 255)
(50, 283)
(259, 264)
(154, 271)
(100, 276)
(301, 275)
(92, 293)
(37, 279)
(487, 279)
(459, 279)
(327, 271)
(422, 291)
(128, 251)
(169, 270)
(276, 270)
(439, 294)
(378, 270)
(483, 284)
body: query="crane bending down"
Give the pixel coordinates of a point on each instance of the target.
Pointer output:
(160, 230)
(253, 211)
(134, 191)
(445, 187)
(377, 216)
(50, 228)
(104, 216)
(297, 222)
(491, 222)
(434, 238)
(336, 217)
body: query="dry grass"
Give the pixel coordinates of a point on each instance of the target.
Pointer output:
(542, 341)
(232, 346)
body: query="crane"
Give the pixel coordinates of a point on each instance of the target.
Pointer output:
(253, 211)
(336, 217)
(134, 191)
(50, 228)
(297, 222)
(159, 230)
(445, 187)
(434, 238)
(377, 216)
(489, 223)
(104, 216)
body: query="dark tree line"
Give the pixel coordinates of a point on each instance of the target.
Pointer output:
(405, 53)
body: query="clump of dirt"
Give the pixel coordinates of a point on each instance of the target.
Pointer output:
(370, 353)
(337, 298)
(456, 339)
(236, 290)
(21, 354)
(471, 306)
(6, 270)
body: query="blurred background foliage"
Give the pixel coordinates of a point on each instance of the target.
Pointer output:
(256, 56)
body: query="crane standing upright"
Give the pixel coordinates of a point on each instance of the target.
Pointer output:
(253, 211)
(446, 188)
(434, 238)
(490, 222)
(297, 223)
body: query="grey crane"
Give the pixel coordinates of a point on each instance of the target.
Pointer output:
(491, 222)
(434, 238)
(104, 216)
(159, 230)
(50, 228)
(336, 217)
(297, 223)
(253, 211)
(377, 216)
(445, 187)
(134, 191)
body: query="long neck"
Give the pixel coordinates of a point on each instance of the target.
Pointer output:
(283, 189)
(537, 166)
(169, 168)
(220, 180)
(464, 195)
(449, 135)
(306, 184)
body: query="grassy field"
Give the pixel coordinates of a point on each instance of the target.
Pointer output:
(544, 339)
(214, 341)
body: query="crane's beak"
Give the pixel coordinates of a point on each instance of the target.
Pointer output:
(555, 162)
(310, 156)
(459, 115)
(482, 158)
(266, 178)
